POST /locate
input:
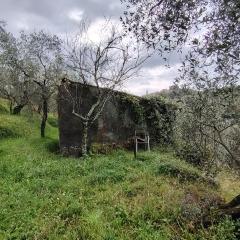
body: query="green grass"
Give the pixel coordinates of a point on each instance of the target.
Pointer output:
(46, 196)
(4, 108)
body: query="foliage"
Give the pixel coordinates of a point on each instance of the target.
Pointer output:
(154, 112)
(168, 25)
(160, 117)
(133, 105)
(207, 128)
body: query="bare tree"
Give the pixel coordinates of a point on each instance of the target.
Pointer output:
(106, 65)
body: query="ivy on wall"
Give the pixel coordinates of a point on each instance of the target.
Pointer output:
(155, 113)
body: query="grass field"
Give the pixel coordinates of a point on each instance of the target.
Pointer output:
(46, 196)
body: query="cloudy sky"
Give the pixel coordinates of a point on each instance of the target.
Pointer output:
(63, 16)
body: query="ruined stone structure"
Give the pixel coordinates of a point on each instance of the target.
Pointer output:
(121, 116)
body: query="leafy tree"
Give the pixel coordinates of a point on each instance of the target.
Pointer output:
(15, 84)
(31, 58)
(16, 89)
(210, 29)
(45, 54)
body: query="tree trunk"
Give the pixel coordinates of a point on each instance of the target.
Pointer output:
(44, 117)
(39, 109)
(17, 110)
(85, 138)
(234, 203)
(11, 106)
(226, 147)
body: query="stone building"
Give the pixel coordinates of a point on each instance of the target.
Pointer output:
(121, 116)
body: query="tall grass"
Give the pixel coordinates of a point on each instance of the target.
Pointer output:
(46, 196)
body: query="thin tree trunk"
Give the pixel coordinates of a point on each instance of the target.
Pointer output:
(226, 147)
(17, 110)
(85, 138)
(44, 117)
(39, 109)
(11, 107)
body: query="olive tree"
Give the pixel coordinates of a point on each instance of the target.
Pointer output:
(16, 89)
(45, 54)
(15, 67)
(33, 58)
(210, 30)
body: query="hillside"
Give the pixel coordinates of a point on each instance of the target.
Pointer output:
(46, 196)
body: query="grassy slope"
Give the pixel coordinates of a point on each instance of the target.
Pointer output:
(46, 196)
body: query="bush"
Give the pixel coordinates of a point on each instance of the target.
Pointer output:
(53, 146)
(53, 121)
(7, 133)
(190, 154)
(182, 172)
(3, 109)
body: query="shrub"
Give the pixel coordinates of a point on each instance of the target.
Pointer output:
(7, 133)
(53, 146)
(191, 154)
(181, 172)
(53, 121)
(3, 109)
(184, 173)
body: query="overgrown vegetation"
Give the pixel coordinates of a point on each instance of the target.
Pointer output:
(46, 196)
(153, 113)
(207, 87)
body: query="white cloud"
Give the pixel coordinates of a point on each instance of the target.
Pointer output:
(100, 29)
(75, 15)
(22, 25)
(152, 80)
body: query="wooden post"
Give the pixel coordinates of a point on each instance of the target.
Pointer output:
(148, 143)
(136, 146)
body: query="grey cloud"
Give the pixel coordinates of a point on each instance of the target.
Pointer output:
(53, 16)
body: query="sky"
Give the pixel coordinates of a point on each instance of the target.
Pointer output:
(63, 16)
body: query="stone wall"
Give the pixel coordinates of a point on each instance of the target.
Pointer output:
(122, 114)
